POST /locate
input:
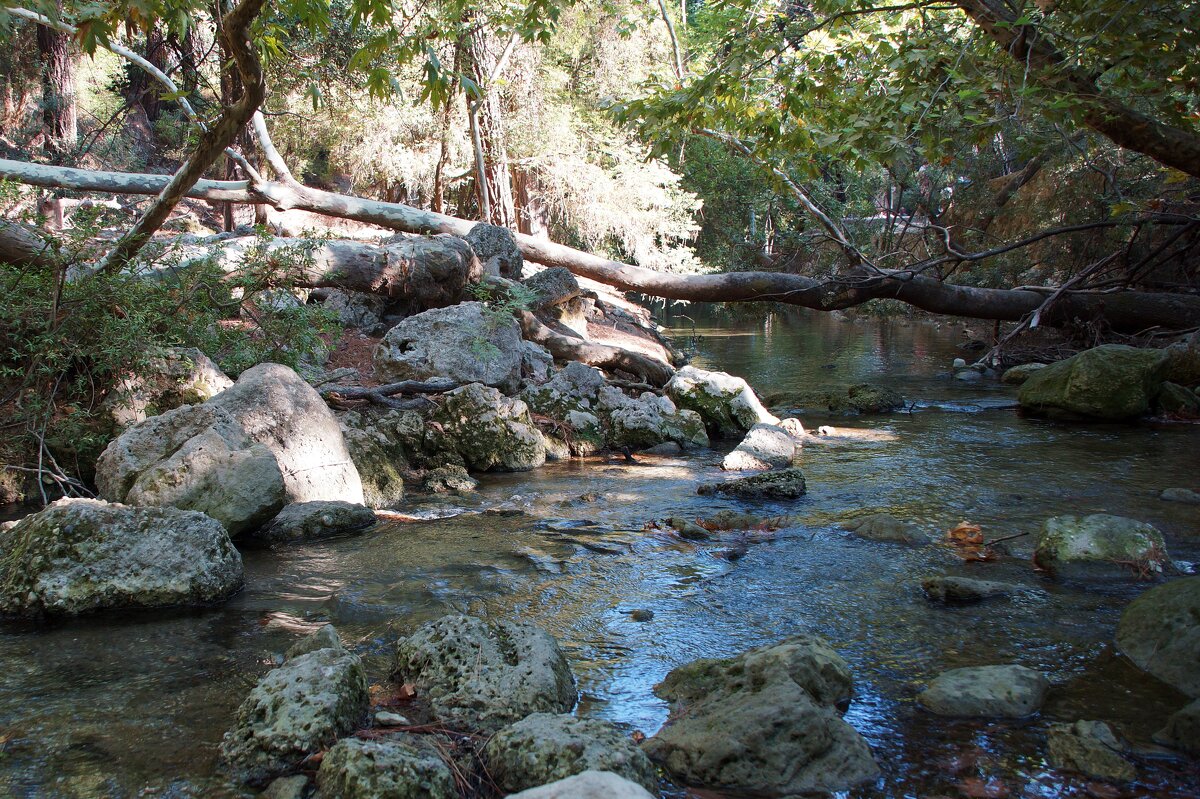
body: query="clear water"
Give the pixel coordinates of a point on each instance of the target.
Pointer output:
(135, 706)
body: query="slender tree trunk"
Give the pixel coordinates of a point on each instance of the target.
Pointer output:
(493, 175)
(58, 91)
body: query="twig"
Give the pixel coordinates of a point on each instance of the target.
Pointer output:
(1005, 538)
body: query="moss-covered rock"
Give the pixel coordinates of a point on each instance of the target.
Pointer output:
(1018, 374)
(1109, 382)
(781, 484)
(727, 404)
(763, 723)
(402, 766)
(1175, 400)
(488, 430)
(479, 675)
(83, 555)
(1100, 545)
(545, 747)
(1160, 632)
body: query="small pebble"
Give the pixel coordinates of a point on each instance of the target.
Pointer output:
(386, 718)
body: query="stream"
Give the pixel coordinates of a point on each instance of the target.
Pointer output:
(134, 706)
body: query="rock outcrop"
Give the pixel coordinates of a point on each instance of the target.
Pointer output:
(764, 723)
(727, 404)
(479, 675)
(402, 766)
(312, 521)
(83, 555)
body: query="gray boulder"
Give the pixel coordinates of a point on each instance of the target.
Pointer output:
(964, 590)
(588, 785)
(325, 637)
(173, 377)
(537, 364)
(1176, 401)
(884, 527)
(1110, 382)
(381, 446)
(216, 457)
(766, 446)
(294, 711)
(545, 747)
(986, 691)
(1100, 545)
(1090, 748)
(782, 484)
(488, 430)
(647, 421)
(311, 521)
(83, 555)
(553, 286)
(402, 766)
(727, 404)
(479, 675)
(1184, 495)
(763, 723)
(355, 308)
(497, 249)
(465, 343)
(1182, 730)
(1160, 632)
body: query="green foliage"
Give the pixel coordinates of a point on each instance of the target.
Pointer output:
(68, 338)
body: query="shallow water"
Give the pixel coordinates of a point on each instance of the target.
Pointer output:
(135, 706)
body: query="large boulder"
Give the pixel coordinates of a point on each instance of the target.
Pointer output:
(480, 675)
(382, 446)
(726, 403)
(403, 766)
(552, 286)
(588, 785)
(1160, 632)
(295, 710)
(1108, 382)
(488, 430)
(172, 377)
(766, 446)
(312, 521)
(82, 555)
(647, 421)
(782, 484)
(986, 691)
(763, 723)
(545, 747)
(1100, 545)
(1089, 747)
(268, 440)
(465, 343)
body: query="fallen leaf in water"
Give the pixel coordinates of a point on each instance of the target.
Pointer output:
(407, 691)
(968, 543)
(977, 788)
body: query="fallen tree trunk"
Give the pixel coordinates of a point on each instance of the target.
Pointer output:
(603, 356)
(1125, 311)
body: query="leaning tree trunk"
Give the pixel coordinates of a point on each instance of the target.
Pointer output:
(58, 91)
(493, 175)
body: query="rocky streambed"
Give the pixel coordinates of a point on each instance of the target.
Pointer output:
(838, 604)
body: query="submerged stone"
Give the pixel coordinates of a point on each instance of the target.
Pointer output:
(964, 590)
(783, 484)
(884, 527)
(1091, 748)
(1182, 730)
(986, 691)
(1160, 632)
(1100, 545)
(312, 521)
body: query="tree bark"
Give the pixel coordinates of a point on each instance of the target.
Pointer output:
(1125, 126)
(493, 175)
(59, 120)
(1123, 311)
(603, 356)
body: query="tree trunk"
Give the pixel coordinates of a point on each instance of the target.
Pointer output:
(58, 91)
(493, 177)
(1127, 311)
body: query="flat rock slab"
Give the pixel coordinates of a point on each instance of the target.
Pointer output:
(884, 527)
(782, 484)
(965, 590)
(986, 691)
